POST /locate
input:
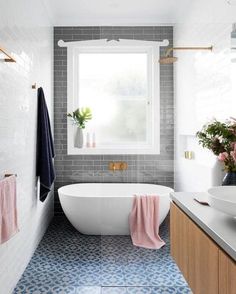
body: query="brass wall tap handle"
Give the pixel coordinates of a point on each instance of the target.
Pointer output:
(123, 165)
(112, 166)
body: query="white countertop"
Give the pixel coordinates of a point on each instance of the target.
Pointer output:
(219, 226)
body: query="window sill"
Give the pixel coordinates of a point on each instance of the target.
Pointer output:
(104, 151)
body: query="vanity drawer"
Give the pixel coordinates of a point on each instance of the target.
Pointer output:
(178, 238)
(227, 274)
(203, 261)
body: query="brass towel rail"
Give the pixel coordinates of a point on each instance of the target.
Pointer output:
(8, 58)
(8, 175)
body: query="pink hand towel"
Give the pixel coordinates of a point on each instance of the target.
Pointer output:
(144, 222)
(8, 209)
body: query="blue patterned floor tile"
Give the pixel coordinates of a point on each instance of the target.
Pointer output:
(136, 280)
(135, 276)
(172, 290)
(63, 290)
(107, 267)
(112, 274)
(69, 262)
(108, 258)
(158, 290)
(114, 290)
(159, 275)
(37, 289)
(141, 290)
(20, 289)
(113, 279)
(89, 290)
(88, 280)
(38, 279)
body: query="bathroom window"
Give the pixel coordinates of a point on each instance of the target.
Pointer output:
(119, 82)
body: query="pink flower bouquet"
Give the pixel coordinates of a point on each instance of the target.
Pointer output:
(220, 138)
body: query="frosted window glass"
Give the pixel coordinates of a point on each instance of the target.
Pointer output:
(115, 87)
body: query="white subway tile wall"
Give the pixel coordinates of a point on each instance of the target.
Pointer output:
(156, 169)
(203, 87)
(28, 37)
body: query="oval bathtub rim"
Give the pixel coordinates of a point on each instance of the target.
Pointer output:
(67, 194)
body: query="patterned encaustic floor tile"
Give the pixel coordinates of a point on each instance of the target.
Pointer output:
(69, 262)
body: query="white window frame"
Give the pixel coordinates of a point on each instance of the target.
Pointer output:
(136, 46)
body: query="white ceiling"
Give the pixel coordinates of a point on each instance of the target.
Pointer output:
(138, 12)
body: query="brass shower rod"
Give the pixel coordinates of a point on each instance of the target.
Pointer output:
(188, 48)
(9, 57)
(167, 59)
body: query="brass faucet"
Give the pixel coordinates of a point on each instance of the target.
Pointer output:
(113, 166)
(117, 165)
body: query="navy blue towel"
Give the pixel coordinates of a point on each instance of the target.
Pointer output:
(45, 149)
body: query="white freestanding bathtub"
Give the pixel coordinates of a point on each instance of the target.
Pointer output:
(103, 209)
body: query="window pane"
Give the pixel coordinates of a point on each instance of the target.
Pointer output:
(114, 86)
(123, 122)
(112, 75)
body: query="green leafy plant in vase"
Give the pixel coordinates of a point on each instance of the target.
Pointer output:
(220, 138)
(79, 117)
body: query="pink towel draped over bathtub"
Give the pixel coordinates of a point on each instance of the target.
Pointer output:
(144, 222)
(8, 209)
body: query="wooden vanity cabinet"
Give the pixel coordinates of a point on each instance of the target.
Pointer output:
(205, 266)
(227, 274)
(202, 261)
(178, 239)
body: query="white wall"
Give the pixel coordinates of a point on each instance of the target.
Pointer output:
(203, 90)
(25, 32)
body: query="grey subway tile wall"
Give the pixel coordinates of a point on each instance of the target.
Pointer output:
(156, 169)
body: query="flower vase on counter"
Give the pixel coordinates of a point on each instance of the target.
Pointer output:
(220, 138)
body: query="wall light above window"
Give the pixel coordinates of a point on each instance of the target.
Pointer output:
(119, 82)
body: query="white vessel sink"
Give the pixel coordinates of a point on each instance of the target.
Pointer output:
(223, 198)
